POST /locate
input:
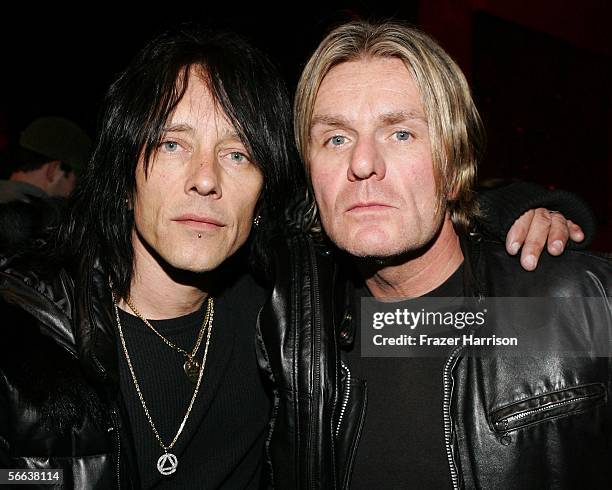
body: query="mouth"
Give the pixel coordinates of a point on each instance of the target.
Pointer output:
(361, 207)
(199, 222)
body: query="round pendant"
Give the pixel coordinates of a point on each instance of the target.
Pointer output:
(192, 369)
(167, 464)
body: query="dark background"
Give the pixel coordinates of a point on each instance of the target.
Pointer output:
(541, 71)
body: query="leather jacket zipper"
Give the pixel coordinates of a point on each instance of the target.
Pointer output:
(447, 376)
(526, 412)
(347, 394)
(117, 435)
(513, 418)
(317, 333)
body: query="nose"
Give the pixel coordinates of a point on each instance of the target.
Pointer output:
(366, 161)
(204, 177)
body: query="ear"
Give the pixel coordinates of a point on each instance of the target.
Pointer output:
(53, 171)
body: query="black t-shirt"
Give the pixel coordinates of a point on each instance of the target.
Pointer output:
(222, 444)
(402, 441)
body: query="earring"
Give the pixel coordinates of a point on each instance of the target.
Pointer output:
(257, 220)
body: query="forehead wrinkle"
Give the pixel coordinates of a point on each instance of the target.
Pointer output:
(179, 128)
(223, 127)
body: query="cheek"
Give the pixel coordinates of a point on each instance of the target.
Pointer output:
(254, 193)
(247, 197)
(325, 185)
(415, 179)
(428, 201)
(245, 217)
(148, 206)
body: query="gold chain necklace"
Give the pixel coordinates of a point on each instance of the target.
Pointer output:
(191, 365)
(167, 462)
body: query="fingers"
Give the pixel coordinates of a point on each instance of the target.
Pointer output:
(558, 234)
(536, 239)
(575, 232)
(539, 228)
(518, 232)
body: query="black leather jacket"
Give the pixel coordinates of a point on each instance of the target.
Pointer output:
(60, 405)
(565, 442)
(59, 397)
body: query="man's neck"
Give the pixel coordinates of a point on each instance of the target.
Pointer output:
(158, 294)
(421, 272)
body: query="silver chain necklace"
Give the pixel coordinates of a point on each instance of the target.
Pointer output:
(167, 462)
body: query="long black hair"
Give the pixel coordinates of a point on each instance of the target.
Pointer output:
(248, 88)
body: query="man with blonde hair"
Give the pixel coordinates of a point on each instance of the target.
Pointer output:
(391, 139)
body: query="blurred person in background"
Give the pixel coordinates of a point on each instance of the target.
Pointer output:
(42, 169)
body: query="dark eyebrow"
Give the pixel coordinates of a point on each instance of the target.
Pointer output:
(396, 117)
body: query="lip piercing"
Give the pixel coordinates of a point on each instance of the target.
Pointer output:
(199, 235)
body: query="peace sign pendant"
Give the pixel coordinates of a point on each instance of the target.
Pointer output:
(167, 464)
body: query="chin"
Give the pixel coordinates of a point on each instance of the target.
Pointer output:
(194, 261)
(379, 252)
(201, 267)
(376, 244)
(361, 246)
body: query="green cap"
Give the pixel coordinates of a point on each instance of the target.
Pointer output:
(58, 139)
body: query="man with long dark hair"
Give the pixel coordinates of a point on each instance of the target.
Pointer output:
(137, 351)
(127, 354)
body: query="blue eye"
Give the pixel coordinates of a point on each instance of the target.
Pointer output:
(170, 146)
(402, 135)
(337, 140)
(236, 156)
